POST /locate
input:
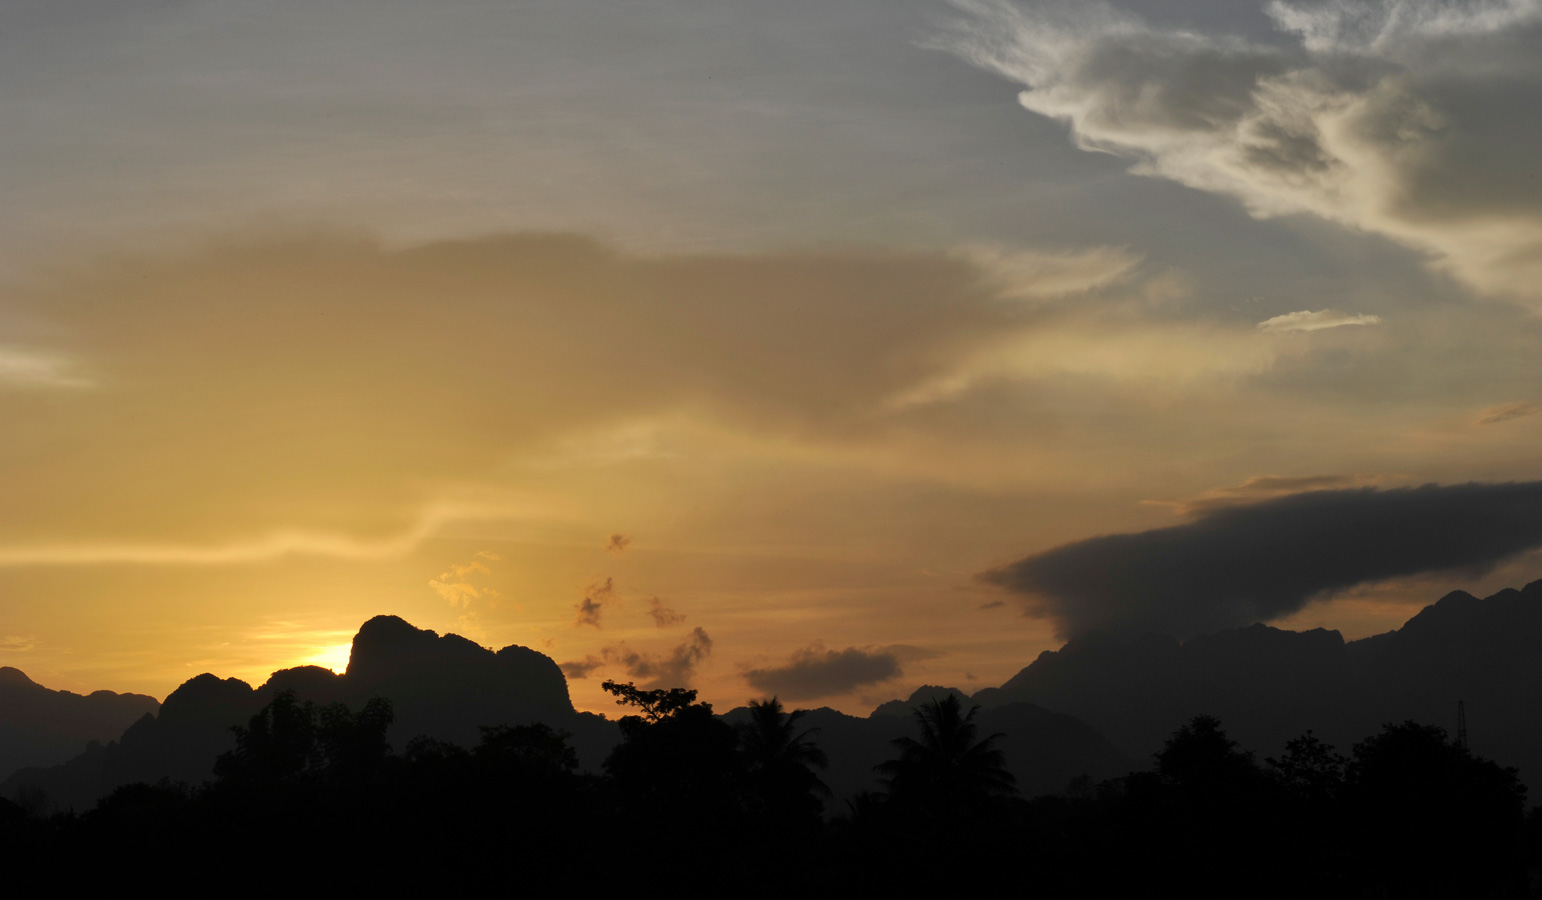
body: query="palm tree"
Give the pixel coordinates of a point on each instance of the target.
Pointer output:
(771, 739)
(780, 762)
(946, 771)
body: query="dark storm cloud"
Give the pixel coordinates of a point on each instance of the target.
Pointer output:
(1237, 565)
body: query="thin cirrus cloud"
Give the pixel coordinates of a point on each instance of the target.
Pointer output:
(1393, 118)
(410, 373)
(1238, 564)
(22, 369)
(1318, 320)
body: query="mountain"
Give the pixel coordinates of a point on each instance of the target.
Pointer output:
(1268, 686)
(1044, 750)
(444, 687)
(41, 727)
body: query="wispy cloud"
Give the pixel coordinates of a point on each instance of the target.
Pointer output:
(1396, 118)
(1496, 414)
(276, 545)
(663, 616)
(672, 669)
(21, 368)
(1309, 320)
(595, 597)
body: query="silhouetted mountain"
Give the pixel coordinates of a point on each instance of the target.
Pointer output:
(1044, 750)
(42, 727)
(1270, 685)
(445, 687)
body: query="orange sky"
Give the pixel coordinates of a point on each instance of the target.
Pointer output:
(823, 312)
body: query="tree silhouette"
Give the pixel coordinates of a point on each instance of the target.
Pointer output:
(945, 771)
(1436, 820)
(677, 770)
(1200, 759)
(780, 761)
(656, 704)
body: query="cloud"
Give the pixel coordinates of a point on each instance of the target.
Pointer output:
(21, 368)
(1259, 487)
(816, 672)
(1038, 275)
(663, 616)
(1402, 119)
(1126, 352)
(663, 671)
(1307, 320)
(577, 669)
(17, 643)
(1236, 565)
(458, 588)
(589, 609)
(618, 543)
(1497, 414)
(498, 350)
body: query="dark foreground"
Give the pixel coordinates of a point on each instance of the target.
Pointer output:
(313, 800)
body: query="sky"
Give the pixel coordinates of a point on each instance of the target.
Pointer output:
(803, 348)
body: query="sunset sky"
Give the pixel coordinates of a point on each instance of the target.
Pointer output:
(761, 347)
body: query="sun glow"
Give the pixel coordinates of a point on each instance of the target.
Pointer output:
(334, 657)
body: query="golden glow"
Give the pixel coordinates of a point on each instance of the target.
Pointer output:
(334, 657)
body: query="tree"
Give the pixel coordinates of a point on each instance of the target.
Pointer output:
(945, 771)
(289, 742)
(1435, 819)
(655, 704)
(780, 761)
(677, 769)
(1201, 760)
(1309, 769)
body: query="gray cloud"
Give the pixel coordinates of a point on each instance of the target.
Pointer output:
(618, 543)
(1242, 564)
(581, 668)
(1507, 412)
(589, 609)
(1401, 119)
(663, 616)
(663, 671)
(816, 672)
(1260, 487)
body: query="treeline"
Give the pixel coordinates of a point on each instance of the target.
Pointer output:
(313, 799)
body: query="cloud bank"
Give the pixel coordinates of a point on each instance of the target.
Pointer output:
(1236, 565)
(1398, 118)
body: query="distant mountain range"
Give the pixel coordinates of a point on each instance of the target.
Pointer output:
(1268, 686)
(1098, 708)
(41, 727)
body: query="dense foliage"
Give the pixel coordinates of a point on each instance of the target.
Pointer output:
(312, 798)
